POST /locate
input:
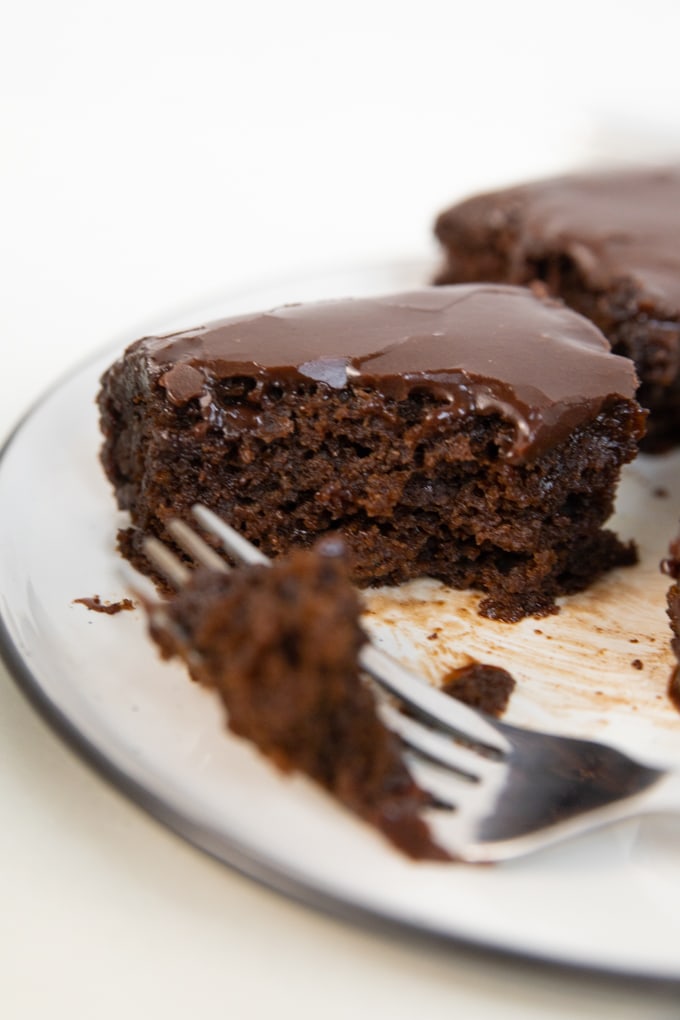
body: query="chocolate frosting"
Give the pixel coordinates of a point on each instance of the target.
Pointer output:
(478, 348)
(619, 226)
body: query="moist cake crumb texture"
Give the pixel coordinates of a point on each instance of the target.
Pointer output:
(280, 646)
(473, 434)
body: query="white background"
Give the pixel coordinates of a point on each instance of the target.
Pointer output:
(156, 153)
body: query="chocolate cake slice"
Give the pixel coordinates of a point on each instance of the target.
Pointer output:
(608, 244)
(280, 646)
(473, 434)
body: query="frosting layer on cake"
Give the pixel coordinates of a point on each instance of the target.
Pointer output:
(475, 348)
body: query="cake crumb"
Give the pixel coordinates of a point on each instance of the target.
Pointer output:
(481, 686)
(94, 603)
(637, 664)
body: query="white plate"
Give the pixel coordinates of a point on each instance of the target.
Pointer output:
(609, 902)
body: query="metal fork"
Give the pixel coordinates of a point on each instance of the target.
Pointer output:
(500, 791)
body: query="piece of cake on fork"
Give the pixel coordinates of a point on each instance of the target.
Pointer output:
(280, 647)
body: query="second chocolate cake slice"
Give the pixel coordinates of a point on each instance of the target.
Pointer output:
(474, 434)
(608, 244)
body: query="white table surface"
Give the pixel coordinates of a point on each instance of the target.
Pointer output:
(152, 154)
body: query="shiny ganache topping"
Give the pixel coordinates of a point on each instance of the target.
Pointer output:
(477, 348)
(617, 226)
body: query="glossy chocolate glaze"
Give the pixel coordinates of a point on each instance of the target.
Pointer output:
(479, 348)
(621, 226)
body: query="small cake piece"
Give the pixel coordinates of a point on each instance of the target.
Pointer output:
(481, 686)
(608, 244)
(280, 646)
(473, 434)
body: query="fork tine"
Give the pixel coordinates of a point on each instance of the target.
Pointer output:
(165, 561)
(438, 708)
(192, 544)
(236, 545)
(456, 795)
(434, 746)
